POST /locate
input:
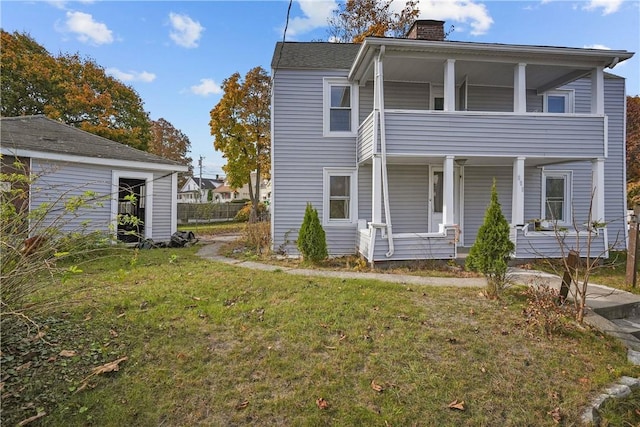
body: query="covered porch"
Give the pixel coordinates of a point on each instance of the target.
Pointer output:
(432, 207)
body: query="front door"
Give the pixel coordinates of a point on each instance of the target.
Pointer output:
(436, 178)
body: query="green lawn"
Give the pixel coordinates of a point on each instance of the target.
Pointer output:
(213, 344)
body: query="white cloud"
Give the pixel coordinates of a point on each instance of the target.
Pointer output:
(88, 30)
(131, 76)
(62, 4)
(206, 87)
(463, 11)
(316, 13)
(186, 32)
(597, 46)
(608, 6)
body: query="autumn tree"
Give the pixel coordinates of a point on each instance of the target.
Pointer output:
(71, 89)
(356, 19)
(169, 142)
(240, 124)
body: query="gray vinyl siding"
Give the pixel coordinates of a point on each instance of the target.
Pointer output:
(415, 247)
(406, 96)
(494, 135)
(409, 201)
(488, 98)
(551, 245)
(614, 178)
(162, 199)
(364, 192)
(58, 182)
(300, 152)
(477, 193)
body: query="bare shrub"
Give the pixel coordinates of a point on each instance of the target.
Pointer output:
(257, 237)
(543, 313)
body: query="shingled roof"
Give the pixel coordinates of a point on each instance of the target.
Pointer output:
(319, 55)
(41, 134)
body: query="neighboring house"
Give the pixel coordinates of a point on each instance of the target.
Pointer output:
(396, 142)
(225, 193)
(66, 162)
(199, 190)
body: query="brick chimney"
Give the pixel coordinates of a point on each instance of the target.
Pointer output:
(427, 29)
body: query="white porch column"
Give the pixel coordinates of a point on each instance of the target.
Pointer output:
(449, 85)
(597, 183)
(376, 190)
(597, 91)
(520, 88)
(448, 190)
(517, 194)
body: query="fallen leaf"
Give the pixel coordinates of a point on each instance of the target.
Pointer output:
(555, 414)
(483, 370)
(120, 315)
(24, 366)
(376, 387)
(457, 405)
(67, 353)
(198, 299)
(322, 404)
(242, 405)
(31, 419)
(37, 336)
(109, 367)
(583, 381)
(87, 318)
(342, 337)
(113, 333)
(181, 356)
(472, 312)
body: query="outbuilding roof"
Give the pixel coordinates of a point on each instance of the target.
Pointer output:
(26, 135)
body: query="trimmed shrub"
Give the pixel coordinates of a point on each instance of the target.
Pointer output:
(312, 241)
(492, 248)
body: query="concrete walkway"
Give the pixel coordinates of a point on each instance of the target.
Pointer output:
(612, 311)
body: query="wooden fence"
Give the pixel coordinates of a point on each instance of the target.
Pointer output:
(189, 213)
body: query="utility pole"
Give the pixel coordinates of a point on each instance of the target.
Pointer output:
(200, 184)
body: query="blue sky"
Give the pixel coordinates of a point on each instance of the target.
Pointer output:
(176, 54)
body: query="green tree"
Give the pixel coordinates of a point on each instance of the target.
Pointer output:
(71, 89)
(240, 124)
(312, 241)
(356, 19)
(492, 248)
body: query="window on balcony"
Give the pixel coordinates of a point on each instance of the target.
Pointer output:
(339, 202)
(558, 101)
(556, 196)
(340, 108)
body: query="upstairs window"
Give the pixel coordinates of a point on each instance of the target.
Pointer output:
(558, 101)
(340, 108)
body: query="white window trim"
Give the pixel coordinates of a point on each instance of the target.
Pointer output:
(148, 211)
(569, 103)
(568, 191)
(353, 194)
(339, 81)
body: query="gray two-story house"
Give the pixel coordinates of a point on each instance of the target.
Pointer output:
(396, 142)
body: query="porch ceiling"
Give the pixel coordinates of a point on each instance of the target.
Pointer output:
(481, 63)
(476, 73)
(476, 161)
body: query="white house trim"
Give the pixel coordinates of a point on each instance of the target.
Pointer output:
(94, 160)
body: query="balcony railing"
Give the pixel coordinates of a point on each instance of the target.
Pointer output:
(436, 133)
